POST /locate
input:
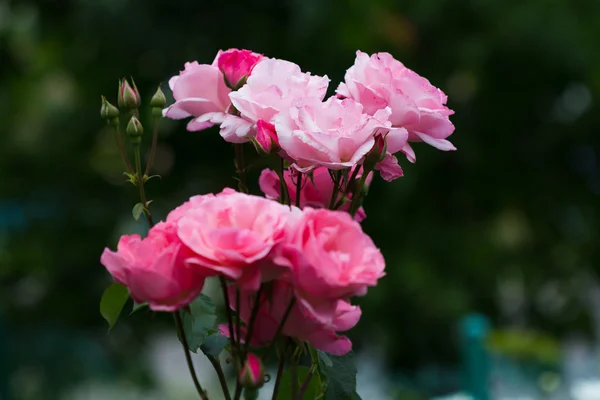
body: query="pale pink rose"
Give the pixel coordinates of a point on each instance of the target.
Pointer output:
(331, 258)
(200, 92)
(300, 324)
(155, 269)
(233, 235)
(316, 190)
(237, 64)
(381, 81)
(335, 134)
(194, 201)
(271, 88)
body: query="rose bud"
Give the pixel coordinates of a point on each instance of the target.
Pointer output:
(135, 130)
(236, 66)
(129, 97)
(266, 141)
(252, 374)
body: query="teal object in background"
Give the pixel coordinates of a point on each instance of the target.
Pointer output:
(473, 330)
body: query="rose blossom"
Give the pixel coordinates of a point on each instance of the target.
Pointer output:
(237, 64)
(273, 86)
(381, 81)
(233, 233)
(300, 324)
(335, 134)
(154, 268)
(199, 92)
(316, 190)
(331, 258)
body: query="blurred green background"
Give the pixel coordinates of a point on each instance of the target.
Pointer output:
(507, 226)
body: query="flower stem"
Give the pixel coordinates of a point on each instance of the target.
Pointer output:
(140, 183)
(255, 309)
(294, 377)
(121, 146)
(280, 327)
(336, 183)
(306, 382)
(298, 189)
(279, 373)
(284, 194)
(228, 312)
(188, 358)
(217, 366)
(153, 148)
(240, 168)
(356, 196)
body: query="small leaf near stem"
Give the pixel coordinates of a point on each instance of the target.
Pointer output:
(140, 182)
(306, 381)
(112, 302)
(188, 358)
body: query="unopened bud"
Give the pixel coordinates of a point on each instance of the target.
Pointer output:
(377, 153)
(158, 100)
(252, 374)
(108, 111)
(135, 130)
(129, 97)
(266, 140)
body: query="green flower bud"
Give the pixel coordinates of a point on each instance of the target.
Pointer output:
(158, 100)
(129, 97)
(108, 111)
(135, 130)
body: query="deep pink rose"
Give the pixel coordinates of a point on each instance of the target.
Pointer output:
(233, 234)
(155, 269)
(316, 190)
(300, 324)
(237, 64)
(381, 81)
(200, 92)
(331, 258)
(335, 134)
(271, 88)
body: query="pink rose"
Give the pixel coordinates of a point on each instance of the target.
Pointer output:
(335, 134)
(252, 374)
(316, 190)
(236, 65)
(200, 92)
(331, 258)
(155, 269)
(381, 81)
(273, 86)
(233, 233)
(299, 325)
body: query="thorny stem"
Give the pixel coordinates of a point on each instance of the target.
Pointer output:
(121, 146)
(281, 325)
(188, 358)
(279, 372)
(153, 148)
(336, 183)
(298, 189)
(217, 366)
(255, 309)
(228, 312)
(240, 167)
(140, 183)
(306, 382)
(356, 196)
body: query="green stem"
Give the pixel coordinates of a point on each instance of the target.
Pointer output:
(294, 377)
(140, 183)
(188, 358)
(121, 147)
(284, 194)
(281, 325)
(306, 382)
(228, 312)
(241, 169)
(356, 196)
(253, 316)
(334, 193)
(153, 148)
(279, 373)
(298, 189)
(222, 380)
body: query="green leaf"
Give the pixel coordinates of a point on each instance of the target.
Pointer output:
(137, 211)
(214, 344)
(113, 299)
(341, 376)
(137, 307)
(312, 390)
(199, 322)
